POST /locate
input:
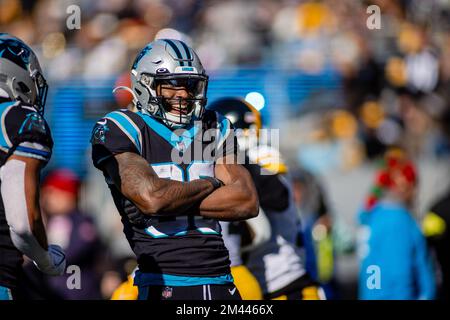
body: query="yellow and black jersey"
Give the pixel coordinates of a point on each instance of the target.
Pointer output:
(276, 263)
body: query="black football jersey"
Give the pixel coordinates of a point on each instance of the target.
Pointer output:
(25, 133)
(187, 245)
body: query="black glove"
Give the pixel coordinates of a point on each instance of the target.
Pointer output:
(134, 215)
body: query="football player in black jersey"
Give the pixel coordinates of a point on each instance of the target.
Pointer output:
(25, 147)
(276, 261)
(176, 163)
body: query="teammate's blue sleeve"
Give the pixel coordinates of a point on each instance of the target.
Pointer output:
(424, 271)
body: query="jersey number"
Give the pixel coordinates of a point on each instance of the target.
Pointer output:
(173, 171)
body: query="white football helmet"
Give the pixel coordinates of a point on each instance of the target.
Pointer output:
(21, 76)
(171, 62)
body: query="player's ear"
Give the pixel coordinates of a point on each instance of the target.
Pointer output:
(157, 87)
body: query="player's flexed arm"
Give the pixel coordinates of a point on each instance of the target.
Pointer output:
(138, 182)
(237, 199)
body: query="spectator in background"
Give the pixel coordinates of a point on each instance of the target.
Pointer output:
(315, 235)
(395, 263)
(73, 231)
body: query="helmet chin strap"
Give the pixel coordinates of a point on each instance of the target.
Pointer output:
(14, 93)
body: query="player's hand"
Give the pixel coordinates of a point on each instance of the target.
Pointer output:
(54, 263)
(134, 215)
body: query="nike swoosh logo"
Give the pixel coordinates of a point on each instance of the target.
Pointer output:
(102, 122)
(232, 291)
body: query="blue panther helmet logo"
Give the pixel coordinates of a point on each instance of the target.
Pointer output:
(15, 51)
(141, 55)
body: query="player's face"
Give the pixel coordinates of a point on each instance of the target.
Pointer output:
(176, 95)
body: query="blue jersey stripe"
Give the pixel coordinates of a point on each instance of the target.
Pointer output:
(155, 279)
(34, 151)
(5, 105)
(128, 127)
(171, 137)
(5, 293)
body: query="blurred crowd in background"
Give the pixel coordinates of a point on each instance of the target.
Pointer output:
(389, 87)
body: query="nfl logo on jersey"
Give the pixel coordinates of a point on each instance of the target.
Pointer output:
(167, 293)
